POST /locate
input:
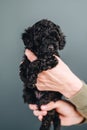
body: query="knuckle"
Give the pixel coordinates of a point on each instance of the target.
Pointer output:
(35, 113)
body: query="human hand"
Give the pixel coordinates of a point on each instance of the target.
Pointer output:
(66, 111)
(60, 78)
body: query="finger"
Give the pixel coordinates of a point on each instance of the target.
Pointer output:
(40, 117)
(42, 83)
(30, 55)
(38, 113)
(33, 107)
(40, 87)
(53, 105)
(49, 106)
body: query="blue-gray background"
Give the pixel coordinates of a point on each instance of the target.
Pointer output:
(15, 16)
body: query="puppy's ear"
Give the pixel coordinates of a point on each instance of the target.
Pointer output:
(61, 38)
(62, 42)
(27, 38)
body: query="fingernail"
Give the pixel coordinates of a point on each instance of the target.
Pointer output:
(43, 107)
(26, 52)
(44, 112)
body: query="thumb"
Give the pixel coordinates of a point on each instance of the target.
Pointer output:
(30, 55)
(48, 106)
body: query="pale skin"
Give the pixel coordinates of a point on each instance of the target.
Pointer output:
(63, 80)
(67, 112)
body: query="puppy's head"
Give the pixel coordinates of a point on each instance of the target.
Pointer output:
(44, 37)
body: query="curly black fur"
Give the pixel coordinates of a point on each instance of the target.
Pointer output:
(44, 38)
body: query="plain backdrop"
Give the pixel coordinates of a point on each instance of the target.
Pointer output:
(15, 16)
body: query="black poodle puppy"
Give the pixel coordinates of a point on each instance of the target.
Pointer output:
(44, 39)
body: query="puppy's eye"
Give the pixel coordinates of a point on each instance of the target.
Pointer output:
(51, 47)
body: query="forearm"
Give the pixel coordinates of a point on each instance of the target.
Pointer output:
(80, 100)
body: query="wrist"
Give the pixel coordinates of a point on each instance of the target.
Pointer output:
(73, 87)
